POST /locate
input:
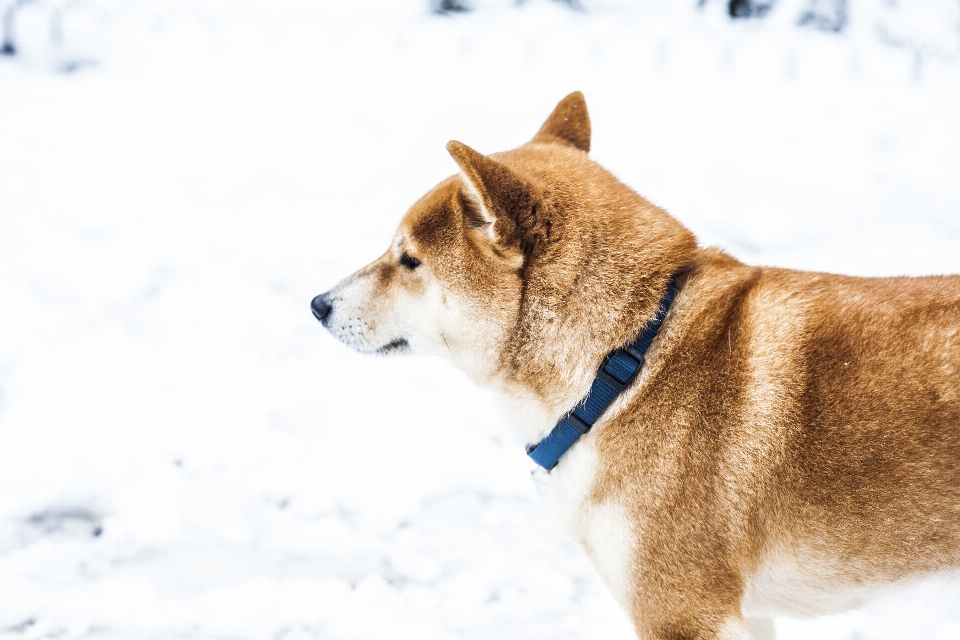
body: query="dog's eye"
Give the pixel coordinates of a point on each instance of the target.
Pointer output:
(409, 262)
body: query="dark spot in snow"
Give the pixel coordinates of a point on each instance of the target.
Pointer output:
(73, 66)
(748, 8)
(21, 627)
(71, 522)
(446, 7)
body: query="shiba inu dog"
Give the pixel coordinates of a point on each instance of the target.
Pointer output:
(781, 442)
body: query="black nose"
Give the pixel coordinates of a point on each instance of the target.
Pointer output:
(321, 308)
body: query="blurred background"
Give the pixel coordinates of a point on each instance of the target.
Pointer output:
(185, 453)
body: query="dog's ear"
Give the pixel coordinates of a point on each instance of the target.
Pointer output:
(497, 198)
(569, 123)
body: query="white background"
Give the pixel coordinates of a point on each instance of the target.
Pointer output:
(185, 453)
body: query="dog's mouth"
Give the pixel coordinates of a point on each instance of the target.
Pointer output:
(394, 346)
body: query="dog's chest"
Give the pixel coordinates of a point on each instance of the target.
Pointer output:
(603, 529)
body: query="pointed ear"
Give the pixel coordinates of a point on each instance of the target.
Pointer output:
(569, 123)
(503, 199)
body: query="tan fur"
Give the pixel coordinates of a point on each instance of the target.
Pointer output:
(793, 440)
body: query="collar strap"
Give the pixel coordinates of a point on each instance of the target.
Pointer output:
(615, 374)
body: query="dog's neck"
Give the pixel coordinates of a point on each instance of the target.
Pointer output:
(552, 358)
(614, 376)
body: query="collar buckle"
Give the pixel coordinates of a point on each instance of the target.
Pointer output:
(615, 384)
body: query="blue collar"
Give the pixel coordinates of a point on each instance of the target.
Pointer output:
(615, 374)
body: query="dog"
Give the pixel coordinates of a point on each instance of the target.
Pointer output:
(778, 442)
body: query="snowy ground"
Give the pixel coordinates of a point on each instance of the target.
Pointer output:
(184, 453)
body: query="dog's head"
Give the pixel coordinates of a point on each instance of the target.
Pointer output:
(495, 262)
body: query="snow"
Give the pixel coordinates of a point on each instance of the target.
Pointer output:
(185, 452)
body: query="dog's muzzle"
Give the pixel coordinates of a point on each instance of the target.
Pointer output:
(321, 308)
